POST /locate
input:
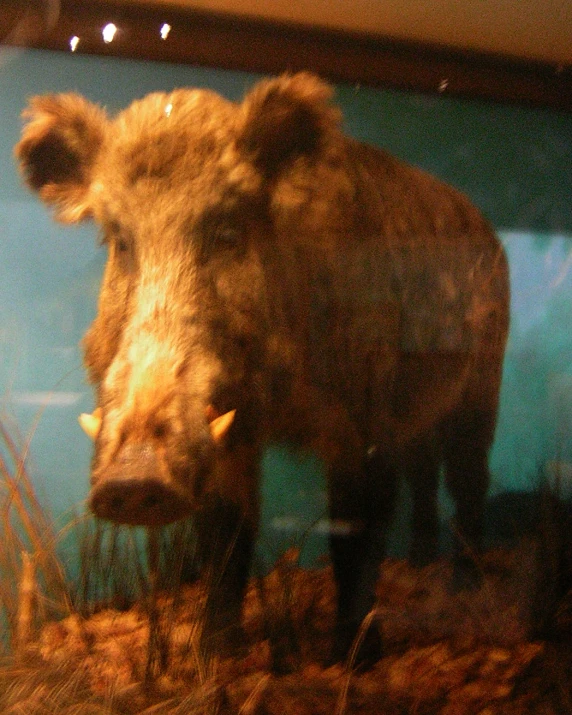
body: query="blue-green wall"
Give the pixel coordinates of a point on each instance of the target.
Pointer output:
(515, 163)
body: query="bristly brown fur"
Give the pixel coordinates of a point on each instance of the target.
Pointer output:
(261, 262)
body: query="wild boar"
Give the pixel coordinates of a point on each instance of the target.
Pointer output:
(266, 270)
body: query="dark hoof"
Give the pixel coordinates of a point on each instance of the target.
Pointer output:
(228, 642)
(466, 576)
(285, 649)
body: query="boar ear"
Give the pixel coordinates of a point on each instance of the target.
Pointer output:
(284, 118)
(57, 151)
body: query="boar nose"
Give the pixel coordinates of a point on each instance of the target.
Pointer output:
(138, 489)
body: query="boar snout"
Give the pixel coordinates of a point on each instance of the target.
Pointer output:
(137, 489)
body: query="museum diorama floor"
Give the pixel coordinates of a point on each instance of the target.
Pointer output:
(454, 654)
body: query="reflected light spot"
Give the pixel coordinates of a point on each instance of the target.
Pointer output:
(168, 109)
(74, 42)
(108, 32)
(165, 30)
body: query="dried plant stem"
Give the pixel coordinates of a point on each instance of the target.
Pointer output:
(32, 516)
(32, 579)
(27, 595)
(351, 659)
(250, 705)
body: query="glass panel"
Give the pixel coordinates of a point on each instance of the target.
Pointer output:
(512, 161)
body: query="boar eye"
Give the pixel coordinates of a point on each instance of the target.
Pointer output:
(221, 232)
(115, 234)
(112, 228)
(121, 244)
(227, 236)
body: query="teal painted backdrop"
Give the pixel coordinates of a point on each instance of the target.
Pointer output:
(515, 163)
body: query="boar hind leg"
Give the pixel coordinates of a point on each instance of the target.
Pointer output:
(361, 507)
(422, 469)
(466, 443)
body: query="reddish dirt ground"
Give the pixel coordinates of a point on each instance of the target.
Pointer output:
(457, 654)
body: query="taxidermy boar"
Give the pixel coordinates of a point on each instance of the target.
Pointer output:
(271, 279)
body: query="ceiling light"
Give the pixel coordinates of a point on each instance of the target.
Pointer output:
(108, 32)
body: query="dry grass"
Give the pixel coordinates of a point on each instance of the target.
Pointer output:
(125, 637)
(33, 585)
(449, 666)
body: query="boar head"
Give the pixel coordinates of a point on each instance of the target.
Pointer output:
(183, 187)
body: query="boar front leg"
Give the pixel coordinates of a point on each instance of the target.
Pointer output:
(361, 507)
(225, 546)
(227, 526)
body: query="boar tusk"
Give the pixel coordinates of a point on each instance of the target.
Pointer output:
(219, 426)
(91, 424)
